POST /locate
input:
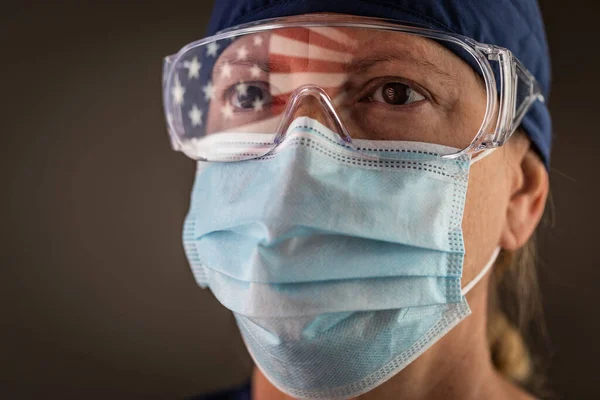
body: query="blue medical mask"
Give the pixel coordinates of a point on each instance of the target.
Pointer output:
(340, 269)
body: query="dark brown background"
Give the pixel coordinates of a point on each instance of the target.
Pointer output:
(97, 298)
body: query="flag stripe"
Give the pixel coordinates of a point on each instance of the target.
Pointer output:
(287, 83)
(285, 64)
(338, 36)
(327, 38)
(294, 48)
(333, 92)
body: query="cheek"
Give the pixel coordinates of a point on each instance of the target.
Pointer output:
(484, 216)
(214, 121)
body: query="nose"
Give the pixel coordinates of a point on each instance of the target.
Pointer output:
(310, 106)
(313, 102)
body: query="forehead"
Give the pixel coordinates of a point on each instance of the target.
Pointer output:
(341, 45)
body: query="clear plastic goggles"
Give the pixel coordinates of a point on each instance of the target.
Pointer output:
(363, 78)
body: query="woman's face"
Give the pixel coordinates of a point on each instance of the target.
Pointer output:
(385, 86)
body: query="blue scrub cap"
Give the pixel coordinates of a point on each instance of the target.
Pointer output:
(514, 24)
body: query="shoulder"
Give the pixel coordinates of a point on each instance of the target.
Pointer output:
(235, 393)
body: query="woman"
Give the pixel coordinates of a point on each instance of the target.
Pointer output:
(357, 179)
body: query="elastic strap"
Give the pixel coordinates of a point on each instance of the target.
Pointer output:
(482, 155)
(482, 273)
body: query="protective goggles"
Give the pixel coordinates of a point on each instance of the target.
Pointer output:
(234, 96)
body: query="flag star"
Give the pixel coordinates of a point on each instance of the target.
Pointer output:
(242, 89)
(258, 40)
(242, 53)
(255, 71)
(212, 49)
(209, 91)
(193, 68)
(178, 91)
(226, 70)
(195, 116)
(258, 104)
(227, 111)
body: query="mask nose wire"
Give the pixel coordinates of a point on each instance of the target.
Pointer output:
(326, 109)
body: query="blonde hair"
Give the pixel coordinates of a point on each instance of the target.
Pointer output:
(514, 311)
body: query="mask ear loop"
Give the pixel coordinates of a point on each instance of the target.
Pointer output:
(482, 273)
(482, 155)
(496, 253)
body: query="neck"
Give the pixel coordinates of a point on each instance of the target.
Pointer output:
(457, 367)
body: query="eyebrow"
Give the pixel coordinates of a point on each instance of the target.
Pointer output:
(364, 64)
(356, 66)
(264, 65)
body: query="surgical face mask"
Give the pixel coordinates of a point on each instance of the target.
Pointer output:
(340, 268)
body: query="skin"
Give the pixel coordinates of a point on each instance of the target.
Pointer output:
(505, 201)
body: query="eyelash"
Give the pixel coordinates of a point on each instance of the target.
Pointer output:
(231, 91)
(367, 92)
(373, 85)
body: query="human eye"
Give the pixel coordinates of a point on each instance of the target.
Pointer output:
(249, 96)
(392, 93)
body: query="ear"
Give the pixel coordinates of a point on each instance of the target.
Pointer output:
(530, 185)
